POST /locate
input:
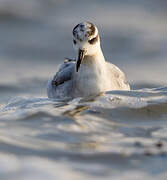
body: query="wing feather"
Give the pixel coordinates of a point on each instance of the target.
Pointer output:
(64, 73)
(119, 76)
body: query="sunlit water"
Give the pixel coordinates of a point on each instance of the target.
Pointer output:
(86, 138)
(116, 135)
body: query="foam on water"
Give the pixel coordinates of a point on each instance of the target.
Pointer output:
(119, 126)
(119, 135)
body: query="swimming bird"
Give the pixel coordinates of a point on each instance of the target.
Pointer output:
(89, 74)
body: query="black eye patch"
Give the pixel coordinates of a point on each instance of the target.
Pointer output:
(74, 41)
(93, 40)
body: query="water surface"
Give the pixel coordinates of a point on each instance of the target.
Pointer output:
(118, 135)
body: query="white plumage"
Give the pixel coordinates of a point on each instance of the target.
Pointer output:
(90, 74)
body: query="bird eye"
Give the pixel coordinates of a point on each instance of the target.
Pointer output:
(93, 40)
(74, 41)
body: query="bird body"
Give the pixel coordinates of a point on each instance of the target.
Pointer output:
(90, 74)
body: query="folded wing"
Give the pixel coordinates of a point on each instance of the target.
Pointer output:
(64, 73)
(60, 85)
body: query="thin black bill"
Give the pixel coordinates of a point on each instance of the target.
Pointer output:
(81, 54)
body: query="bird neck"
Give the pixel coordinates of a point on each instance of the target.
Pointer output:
(97, 57)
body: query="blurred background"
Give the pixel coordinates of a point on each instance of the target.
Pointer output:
(105, 141)
(36, 36)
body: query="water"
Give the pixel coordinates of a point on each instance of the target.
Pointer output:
(117, 135)
(91, 138)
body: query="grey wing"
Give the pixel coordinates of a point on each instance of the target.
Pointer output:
(120, 79)
(60, 85)
(64, 74)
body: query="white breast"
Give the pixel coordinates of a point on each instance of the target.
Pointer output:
(90, 79)
(96, 76)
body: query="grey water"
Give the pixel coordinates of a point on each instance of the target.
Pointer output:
(118, 135)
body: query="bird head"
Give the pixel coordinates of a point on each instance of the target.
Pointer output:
(85, 40)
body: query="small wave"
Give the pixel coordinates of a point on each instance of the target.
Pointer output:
(144, 101)
(119, 127)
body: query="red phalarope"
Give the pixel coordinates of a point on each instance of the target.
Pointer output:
(90, 74)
